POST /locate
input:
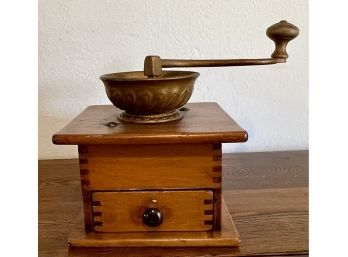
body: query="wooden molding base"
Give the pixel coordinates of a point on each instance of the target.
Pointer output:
(228, 236)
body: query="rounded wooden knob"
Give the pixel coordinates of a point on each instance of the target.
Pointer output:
(152, 217)
(281, 33)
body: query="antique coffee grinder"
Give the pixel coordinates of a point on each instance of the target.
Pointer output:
(151, 168)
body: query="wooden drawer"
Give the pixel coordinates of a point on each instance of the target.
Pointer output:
(141, 167)
(181, 210)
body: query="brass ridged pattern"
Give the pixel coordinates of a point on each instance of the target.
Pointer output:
(157, 118)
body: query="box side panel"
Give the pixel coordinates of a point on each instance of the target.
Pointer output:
(117, 167)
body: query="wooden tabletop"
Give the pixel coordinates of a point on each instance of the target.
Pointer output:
(202, 123)
(266, 193)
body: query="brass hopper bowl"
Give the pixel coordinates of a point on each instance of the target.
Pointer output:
(149, 99)
(154, 96)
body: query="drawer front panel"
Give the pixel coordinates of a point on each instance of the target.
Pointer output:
(124, 167)
(180, 210)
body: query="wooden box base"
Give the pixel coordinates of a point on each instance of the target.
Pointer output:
(228, 236)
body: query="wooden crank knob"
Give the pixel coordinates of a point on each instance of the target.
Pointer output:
(152, 217)
(281, 33)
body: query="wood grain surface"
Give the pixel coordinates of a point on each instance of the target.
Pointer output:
(203, 123)
(112, 167)
(266, 193)
(183, 210)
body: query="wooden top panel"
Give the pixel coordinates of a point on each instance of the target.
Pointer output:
(202, 123)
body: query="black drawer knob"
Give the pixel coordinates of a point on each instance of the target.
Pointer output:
(152, 217)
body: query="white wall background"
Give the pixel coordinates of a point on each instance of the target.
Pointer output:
(79, 40)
